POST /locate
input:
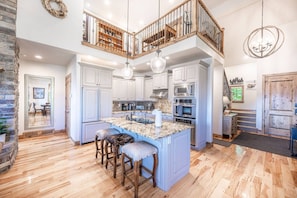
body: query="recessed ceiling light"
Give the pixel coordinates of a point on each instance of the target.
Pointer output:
(38, 56)
(109, 15)
(88, 5)
(107, 2)
(167, 57)
(148, 63)
(133, 68)
(114, 63)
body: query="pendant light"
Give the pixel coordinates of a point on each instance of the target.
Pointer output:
(127, 71)
(158, 63)
(263, 41)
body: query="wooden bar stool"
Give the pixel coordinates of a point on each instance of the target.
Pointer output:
(100, 139)
(136, 152)
(115, 142)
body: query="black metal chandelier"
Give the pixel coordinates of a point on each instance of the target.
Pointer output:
(263, 41)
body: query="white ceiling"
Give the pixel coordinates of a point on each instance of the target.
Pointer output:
(117, 9)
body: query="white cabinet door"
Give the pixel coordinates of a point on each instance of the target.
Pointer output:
(191, 73)
(115, 89)
(105, 78)
(139, 85)
(89, 130)
(170, 89)
(131, 93)
(160, 81)
(178, 75)
(119, 89)
(148, 88)
(90, 104)
(105, 103)
(184, 74)
(89, 76)
(92, 76)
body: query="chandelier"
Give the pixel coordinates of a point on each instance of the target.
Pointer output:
(127, 71)
(263, 41)
(158, 63)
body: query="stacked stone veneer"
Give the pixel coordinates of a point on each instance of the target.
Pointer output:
(9, 80)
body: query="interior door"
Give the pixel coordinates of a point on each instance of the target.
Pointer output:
(68, 104)
(279, 101)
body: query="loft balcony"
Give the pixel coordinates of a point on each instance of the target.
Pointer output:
(186, 20)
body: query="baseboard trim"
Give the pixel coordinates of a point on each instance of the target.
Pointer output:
(36, 133)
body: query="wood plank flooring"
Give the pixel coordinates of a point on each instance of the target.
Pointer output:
(51, 166)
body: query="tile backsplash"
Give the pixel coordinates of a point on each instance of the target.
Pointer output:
(163, 104)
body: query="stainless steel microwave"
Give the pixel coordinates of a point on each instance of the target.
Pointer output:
(184, 90)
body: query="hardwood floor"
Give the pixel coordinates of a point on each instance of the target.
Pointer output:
(50, 166)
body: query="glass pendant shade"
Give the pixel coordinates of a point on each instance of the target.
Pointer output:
(127, 72)
(158, 63)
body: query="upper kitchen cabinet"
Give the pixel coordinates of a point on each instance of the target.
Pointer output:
(131, 93)
(93, 76)
(160, 81)
(184, 74)
(123, 89)
(139, 85)
(170, 88)
(148, 88)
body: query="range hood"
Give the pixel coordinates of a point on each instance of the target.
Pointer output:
(160, 93)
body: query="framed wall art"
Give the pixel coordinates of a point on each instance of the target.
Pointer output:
(38, 93)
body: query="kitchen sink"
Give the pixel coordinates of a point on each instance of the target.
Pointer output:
(143, 121)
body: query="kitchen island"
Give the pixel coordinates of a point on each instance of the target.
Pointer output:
(172, 141)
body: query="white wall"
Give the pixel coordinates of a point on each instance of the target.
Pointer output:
(39, 69)
(248, 72)
(237, 27)
(217, 101)
(35, 24)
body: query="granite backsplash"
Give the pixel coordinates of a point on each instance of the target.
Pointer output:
(163, 104)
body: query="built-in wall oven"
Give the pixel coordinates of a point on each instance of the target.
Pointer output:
(184, 111)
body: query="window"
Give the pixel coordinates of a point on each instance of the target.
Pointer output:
(236, 94)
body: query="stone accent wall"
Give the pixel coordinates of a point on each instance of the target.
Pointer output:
(9, 80)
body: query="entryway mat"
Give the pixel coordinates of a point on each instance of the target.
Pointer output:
(264, 143)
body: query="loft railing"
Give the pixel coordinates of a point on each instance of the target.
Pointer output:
(188, 19)
(105, 36)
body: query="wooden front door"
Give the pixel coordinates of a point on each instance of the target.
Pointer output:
(280, 97)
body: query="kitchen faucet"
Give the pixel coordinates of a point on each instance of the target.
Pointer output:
(129, 117)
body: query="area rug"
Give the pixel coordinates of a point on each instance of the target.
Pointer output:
(221, 142)
(264, 143)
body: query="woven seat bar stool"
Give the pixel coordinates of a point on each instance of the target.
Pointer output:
(115, 142)
(100, 140)
(136, 152)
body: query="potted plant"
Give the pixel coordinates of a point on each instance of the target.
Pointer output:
(3, 129)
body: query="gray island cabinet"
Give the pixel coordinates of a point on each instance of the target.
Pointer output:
(172, 141)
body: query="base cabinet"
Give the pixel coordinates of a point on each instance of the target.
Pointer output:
(89, 130)
(230, 124)
(173, 157)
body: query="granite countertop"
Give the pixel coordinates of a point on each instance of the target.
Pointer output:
(148, 130)
(146, 111)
